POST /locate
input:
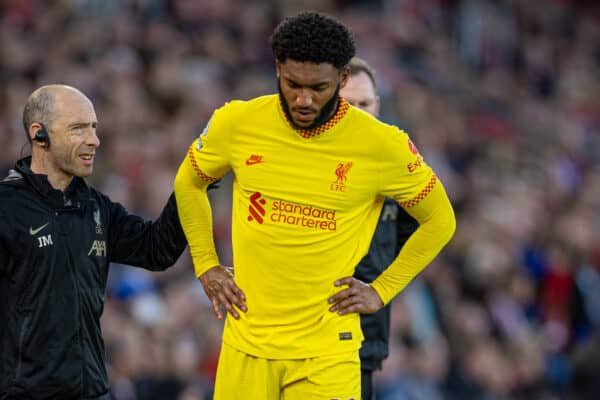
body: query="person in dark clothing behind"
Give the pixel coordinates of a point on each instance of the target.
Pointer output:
(57, 238)
(393, 229)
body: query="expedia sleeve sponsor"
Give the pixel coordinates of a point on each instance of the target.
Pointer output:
(406, 183)
(412, 166)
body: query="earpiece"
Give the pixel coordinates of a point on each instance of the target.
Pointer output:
(42, 136)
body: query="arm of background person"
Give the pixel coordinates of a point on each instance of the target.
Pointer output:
(4, 256)
(154, 245)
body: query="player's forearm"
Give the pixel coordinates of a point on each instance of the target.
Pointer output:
(437, 225)
(195, 215)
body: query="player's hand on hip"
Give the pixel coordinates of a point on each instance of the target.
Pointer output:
(221, 289)
(358, 297)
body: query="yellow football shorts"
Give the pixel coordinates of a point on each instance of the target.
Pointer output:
(241, 376)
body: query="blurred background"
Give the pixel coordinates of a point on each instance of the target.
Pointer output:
(501, 97)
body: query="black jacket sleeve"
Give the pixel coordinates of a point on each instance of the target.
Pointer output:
(151, 245)
(4, 257)
(406, 226)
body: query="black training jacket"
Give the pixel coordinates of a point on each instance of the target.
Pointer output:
(393, 229)
(55, 250)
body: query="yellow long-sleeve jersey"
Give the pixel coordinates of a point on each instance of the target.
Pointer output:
(305, 205)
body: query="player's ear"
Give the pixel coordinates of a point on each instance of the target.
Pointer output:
(345, 74)
(278, 68)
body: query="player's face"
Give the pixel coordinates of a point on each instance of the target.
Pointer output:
(73, 135)
(309, 91)
(360, 92)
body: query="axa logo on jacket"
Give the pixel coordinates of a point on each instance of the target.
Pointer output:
(99, 246)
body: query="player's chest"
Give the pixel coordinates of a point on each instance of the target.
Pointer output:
(322, 170)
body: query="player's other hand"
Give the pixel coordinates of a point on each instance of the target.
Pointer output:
(358, 297)
(221, 289)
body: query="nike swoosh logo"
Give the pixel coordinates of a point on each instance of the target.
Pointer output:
(254, 159)
(35, 231)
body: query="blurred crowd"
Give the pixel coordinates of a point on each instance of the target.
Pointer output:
(503, 100)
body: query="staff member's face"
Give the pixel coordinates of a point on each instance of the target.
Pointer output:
(360, 92)
(73, 135)
(309, 91)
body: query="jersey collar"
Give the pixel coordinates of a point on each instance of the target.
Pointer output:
(342, 109)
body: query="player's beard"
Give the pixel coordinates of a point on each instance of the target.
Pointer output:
(325, 114)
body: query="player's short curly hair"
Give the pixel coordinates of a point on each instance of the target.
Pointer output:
(313, 37)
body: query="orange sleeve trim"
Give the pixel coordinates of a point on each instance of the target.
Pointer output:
(197, 169)
(426, 190)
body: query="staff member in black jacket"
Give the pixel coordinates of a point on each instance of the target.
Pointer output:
(57, 238)
(393, 229)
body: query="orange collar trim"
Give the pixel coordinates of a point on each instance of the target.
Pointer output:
(343, 106)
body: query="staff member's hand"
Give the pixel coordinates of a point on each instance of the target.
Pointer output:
(358, 297)
(222, 291)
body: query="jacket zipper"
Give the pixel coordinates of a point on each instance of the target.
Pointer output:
(78, 316)
(21, 345)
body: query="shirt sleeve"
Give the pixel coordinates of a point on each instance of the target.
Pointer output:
(405, 175)
(210, 153)
(207, 160)
(153, 245)
(413, 184)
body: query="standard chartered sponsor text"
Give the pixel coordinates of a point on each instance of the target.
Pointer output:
(303, 215)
